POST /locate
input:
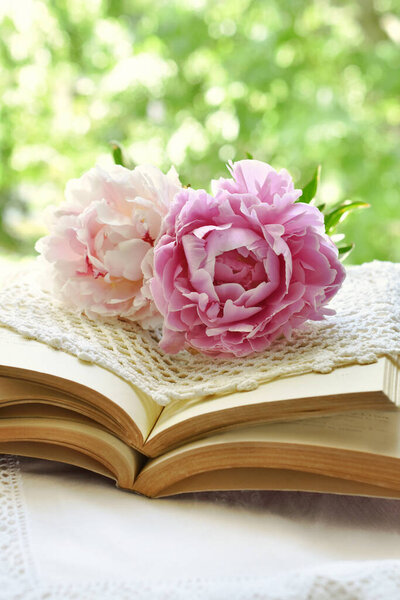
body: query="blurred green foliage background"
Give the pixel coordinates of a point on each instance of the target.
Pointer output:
(195, 83)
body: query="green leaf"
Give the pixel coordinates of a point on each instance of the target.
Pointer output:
(320, 206)
(338, 215)
(310, 190)
(118, 153)
(249, 156)
(344, 251)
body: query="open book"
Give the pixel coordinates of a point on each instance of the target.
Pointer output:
(337, 432)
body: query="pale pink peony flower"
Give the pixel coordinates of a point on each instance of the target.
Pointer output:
(237, 270)
(101, 241)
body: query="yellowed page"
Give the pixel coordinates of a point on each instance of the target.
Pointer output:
(364, 431)
(19, 397)
(18, 390)
(78, 436)
(376, 432)
(287, 398)
(52, 452)
(275, 479)
(37, 362)
(364, 446)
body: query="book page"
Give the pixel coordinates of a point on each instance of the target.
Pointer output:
(363, 446)
(51, 452)
(19, 397)
(345, 388)
(275, 479)
(36, 362)
(76, 441)
(377, 432)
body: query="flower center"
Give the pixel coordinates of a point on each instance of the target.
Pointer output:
(147, 238)
(90, 269)
(239, 266)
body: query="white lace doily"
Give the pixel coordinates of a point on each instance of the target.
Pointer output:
(365, 327)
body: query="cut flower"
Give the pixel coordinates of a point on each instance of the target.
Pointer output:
(237, 269)
(100, 245)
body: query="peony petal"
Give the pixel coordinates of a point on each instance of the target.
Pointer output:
(202, 282)
(250, 175)
(201, 232)
(126, 259)
(226, 291)
(106, 214)
(233, 313)
(172, 341)
(195, 252)
(258, 294)
(223, 241)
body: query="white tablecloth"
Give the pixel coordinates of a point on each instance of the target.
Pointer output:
(67, 534)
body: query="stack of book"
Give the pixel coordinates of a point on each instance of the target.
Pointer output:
(337, 432)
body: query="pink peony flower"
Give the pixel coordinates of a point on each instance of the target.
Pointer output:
(101, 241)
(237, 270)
